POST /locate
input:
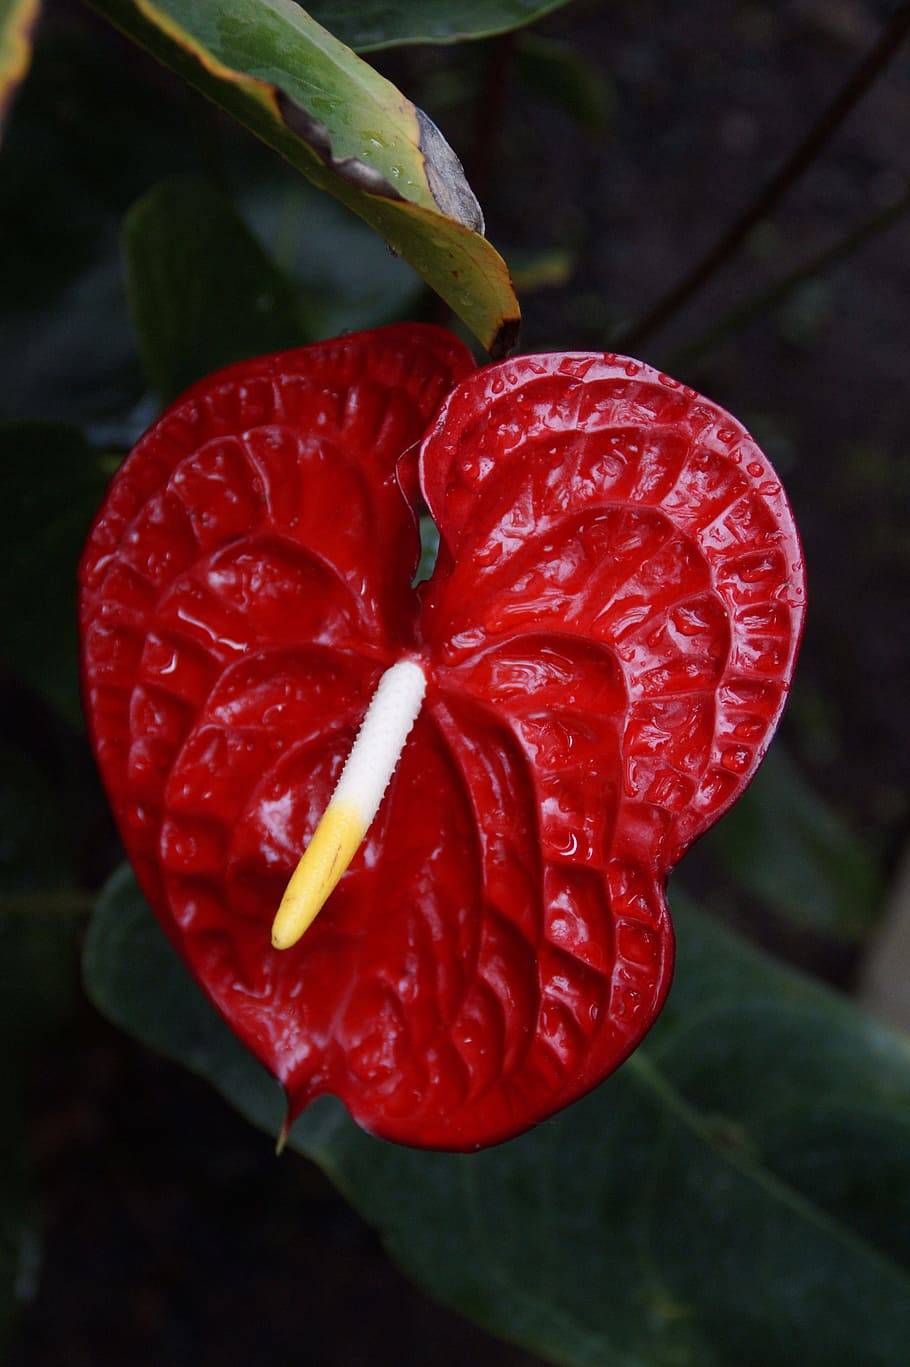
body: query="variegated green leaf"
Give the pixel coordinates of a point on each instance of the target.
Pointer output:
(346, 128)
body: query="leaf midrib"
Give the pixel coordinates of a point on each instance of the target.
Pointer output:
(649, 1075)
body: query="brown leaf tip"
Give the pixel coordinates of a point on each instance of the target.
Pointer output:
(505, 339)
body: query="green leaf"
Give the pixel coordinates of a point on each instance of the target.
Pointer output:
(346, 128)
(88, 135)
(785, 846)
(134, 978)
(91, 133)
(738, 1193)
(348, 275)
(53, 482)
(370, 24)
(202, 291)
(17, 20)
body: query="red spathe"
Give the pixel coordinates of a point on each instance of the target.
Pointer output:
(608, 639)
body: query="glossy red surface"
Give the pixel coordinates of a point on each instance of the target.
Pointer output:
(608, 638)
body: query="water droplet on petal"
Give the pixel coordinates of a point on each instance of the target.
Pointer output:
(736, 759)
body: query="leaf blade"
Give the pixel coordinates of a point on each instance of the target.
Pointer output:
(202, 292)
(373, 24)
(645, 1225)
(784, 845)
(345, 128)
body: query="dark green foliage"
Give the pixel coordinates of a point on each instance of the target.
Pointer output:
(739, 1192)
(369, 24)
(202, 291)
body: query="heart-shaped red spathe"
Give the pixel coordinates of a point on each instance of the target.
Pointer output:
(608, 639)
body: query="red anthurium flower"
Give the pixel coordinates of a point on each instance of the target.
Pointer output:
(596, 667)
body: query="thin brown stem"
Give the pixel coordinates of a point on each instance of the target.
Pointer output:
(774, 190)
(775, 294)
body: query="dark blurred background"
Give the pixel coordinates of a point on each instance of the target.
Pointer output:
(611, 146)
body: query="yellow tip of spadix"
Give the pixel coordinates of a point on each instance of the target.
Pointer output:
(333, 846)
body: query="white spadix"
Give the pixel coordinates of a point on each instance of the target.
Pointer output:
(388, 721)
